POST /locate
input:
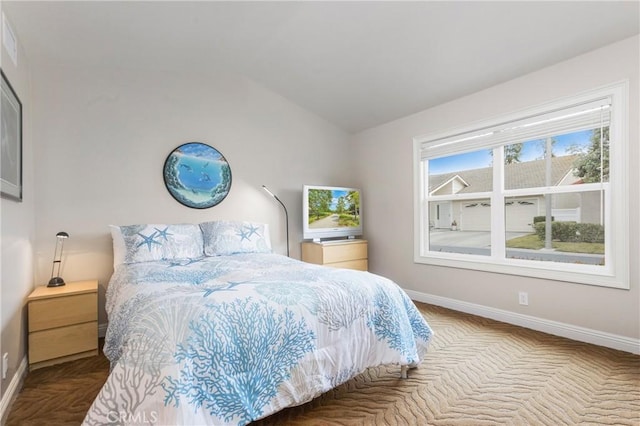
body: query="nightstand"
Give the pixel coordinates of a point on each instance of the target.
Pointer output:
(348, 254)
(63, 323)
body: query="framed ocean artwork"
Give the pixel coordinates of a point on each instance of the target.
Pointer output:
(197, 175)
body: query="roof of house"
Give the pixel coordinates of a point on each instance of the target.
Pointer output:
(528, 174)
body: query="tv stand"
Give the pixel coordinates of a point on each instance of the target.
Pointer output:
(348, 254)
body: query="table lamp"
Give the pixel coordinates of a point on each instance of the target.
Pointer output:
(57, 281)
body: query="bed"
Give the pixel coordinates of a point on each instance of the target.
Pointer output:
(208, 327)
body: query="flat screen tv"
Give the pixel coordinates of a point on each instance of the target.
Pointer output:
(331, 212)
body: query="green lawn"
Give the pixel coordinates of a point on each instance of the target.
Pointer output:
(532, 242)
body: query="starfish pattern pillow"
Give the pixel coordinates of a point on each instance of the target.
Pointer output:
(230, 237)
(149, 242)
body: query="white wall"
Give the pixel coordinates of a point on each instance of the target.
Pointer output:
(389, 191)
(102, 135)
(17, 230)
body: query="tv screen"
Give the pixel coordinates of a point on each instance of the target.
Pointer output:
(331, 212)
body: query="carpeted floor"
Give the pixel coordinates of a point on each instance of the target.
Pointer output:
(478, 372)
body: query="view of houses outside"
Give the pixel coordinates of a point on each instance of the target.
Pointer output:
(463, 223)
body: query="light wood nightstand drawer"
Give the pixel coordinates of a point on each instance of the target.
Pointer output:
(344, 252)
(45, 314)
(351, 254)
(63, 323)
(59, 342)
(359, 265)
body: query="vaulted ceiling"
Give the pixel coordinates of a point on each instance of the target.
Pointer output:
(357, 64)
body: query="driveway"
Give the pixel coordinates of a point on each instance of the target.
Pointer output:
(475, 239)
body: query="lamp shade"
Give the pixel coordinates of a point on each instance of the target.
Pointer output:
(269, 192)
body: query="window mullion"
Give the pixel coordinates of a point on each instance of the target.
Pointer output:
(460, 197)
(424, 206)
(497, 206)
(567, 189)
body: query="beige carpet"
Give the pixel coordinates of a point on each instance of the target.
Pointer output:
(478, 372)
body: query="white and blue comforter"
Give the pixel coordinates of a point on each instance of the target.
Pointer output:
(231, 339)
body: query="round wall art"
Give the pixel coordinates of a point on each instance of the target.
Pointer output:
(197, 175)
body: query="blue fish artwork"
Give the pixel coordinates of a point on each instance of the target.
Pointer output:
(197, 175)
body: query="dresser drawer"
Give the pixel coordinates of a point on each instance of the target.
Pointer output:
(62, 341)
(62, 311)
(351, 254)
(344, 252)
(359, 264)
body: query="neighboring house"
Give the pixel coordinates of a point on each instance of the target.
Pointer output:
(474, 214)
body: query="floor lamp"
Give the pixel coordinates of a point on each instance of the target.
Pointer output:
(286, 214)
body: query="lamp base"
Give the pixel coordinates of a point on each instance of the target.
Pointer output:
(56, 282)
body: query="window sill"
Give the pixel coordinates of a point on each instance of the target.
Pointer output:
(587, 274)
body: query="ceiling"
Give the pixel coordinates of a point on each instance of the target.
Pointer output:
(357, 64)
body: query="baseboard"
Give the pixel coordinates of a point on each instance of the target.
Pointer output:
(556, 328)
(13, 389)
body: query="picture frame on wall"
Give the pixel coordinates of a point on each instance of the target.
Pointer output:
(11, 143)
(197, 175)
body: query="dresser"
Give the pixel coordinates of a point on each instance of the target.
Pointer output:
(349, 254)
(63, 323)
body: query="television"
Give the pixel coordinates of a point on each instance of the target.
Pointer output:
(331, 212)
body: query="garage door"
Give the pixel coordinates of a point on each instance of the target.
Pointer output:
(519, 214)
(476, 215)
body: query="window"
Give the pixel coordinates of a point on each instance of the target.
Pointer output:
(539, 193)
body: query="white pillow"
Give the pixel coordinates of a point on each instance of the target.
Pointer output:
(230, 237)
(148, 242)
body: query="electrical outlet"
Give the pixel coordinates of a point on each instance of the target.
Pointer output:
(523, 298)
(5, 365)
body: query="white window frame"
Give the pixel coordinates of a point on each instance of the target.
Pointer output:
(615, 272)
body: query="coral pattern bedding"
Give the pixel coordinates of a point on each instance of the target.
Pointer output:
(234, 338)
